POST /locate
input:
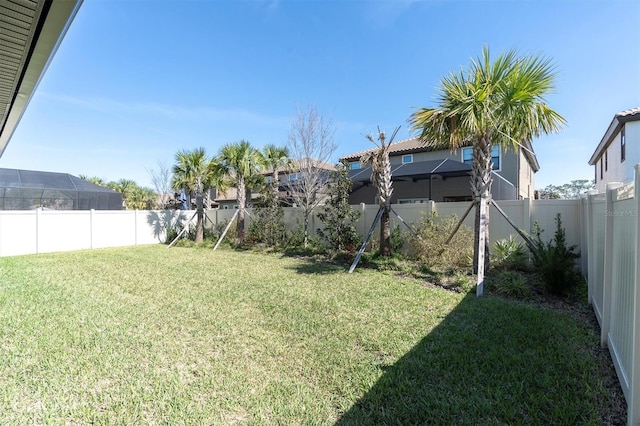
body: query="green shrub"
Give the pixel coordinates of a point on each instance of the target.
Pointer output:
(554, 261)
(429, 247)
(509, 283)
(509, 254)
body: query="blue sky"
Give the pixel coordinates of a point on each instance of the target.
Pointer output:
(134, 81)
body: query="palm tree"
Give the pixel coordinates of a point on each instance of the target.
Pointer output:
(378, 159)
(126, 187)
(500, 102)
(275, 159)
(238, 164)
(193, 172)
(94, 180)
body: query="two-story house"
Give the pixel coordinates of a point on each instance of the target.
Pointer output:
(618, 150)
(421, 174)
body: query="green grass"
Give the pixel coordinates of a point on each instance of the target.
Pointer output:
(185, 336)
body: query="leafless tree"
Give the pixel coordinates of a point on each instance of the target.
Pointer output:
(161, 180)
(311, 147)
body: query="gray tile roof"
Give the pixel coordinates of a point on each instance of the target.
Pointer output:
(403, 146)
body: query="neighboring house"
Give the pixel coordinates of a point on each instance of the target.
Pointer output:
(29, 189)
(618, 150)
(421, 174)
(288, 179)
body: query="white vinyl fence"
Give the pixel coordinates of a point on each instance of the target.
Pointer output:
(612, 233)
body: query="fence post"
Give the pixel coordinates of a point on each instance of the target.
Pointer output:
(607, 282)
(633, 404)
(591, 241)
(38, 213)
(92, 213)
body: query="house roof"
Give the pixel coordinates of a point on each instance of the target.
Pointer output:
(31, 31)
(416, 171)
(413, 145)
(405, 146)
(617, 122)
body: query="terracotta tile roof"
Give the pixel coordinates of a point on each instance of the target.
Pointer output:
(405, 145)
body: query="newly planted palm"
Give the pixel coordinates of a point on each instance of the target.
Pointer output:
(193, 172)
(500, 102)
(378, 159)
(238, 164)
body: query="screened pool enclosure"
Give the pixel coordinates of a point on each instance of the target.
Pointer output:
(27, 190)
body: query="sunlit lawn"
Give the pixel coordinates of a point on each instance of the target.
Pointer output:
(185, 336)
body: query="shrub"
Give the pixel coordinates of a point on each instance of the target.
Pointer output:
(509, 283)
(554, 261)
(429, 246)
(509, 254)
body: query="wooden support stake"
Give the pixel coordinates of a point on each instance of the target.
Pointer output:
(225, 230)
(524, 236)
(366, 240)
(453, 233)
(184, 228)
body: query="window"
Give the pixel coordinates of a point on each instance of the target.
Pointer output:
(293, 177)
(354, 165)
(600, 168)
(606, 161)
(413, 200)
(407, 158)
(623, 145)
(467, 156)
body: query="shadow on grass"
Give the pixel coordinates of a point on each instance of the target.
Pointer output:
(489, 362)
(318, 267)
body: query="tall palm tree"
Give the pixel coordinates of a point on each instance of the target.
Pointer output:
(500, 102)
(378, 159)
(275, 159)
(193, 172)
(238, 164)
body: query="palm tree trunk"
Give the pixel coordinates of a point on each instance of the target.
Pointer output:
(481, 188)
(385, 232)
(200, 220)
(242, 201)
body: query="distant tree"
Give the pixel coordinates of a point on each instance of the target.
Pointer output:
(567, 191)
(133, 196)
(193, 171)
(275, 159)
(94, 180)
(378, 159)
(550, 192)
(311, 148)
(239, 164)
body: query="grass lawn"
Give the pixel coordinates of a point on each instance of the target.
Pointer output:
(151, 335)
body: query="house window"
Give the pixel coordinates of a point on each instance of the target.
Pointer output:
(600, 168)
(407, 158)
(293, 177)
(623, 145)
(606, 161)
(354, 165)
(268, 179)
(467, 156)
(413, 200)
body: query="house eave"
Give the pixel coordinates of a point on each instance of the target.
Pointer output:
(614, 128)
(49, 24)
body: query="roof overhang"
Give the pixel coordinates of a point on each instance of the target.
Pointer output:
(613, 129)
(30, 33)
